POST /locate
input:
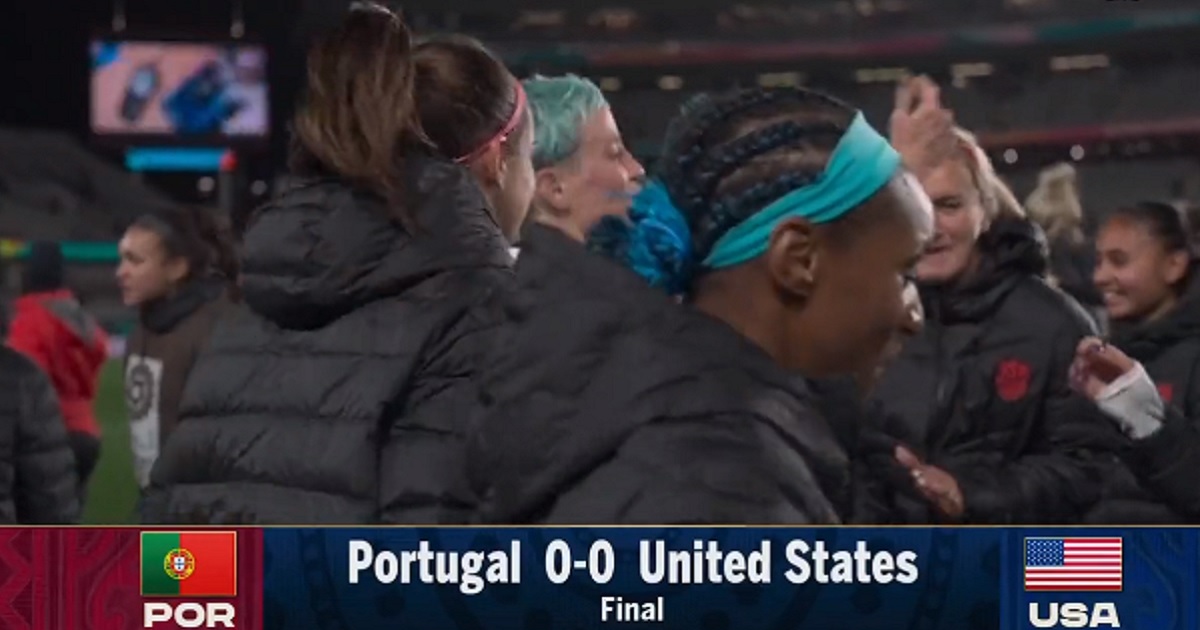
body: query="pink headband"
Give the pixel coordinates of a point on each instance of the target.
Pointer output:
(501, 136)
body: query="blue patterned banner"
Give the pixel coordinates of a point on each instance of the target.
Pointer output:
(730, 579)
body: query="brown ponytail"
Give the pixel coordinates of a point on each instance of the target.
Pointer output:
(217, 236)
(358, 112)
(359, 116)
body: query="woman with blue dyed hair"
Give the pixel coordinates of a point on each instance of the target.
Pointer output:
(790, 227)
(584, 171)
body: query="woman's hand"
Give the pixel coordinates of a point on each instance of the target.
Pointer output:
(1097, 365)
(938, 486)
(921, 130)
(1119, 386)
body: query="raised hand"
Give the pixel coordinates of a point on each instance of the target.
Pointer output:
(921, 129)
(1096, 365)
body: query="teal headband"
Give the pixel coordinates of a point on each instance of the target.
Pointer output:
(861, 164)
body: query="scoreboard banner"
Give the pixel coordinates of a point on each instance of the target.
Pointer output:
(95, 578)
(565, 578)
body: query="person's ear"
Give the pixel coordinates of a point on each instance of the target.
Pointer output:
(792, 258)
(551, 189)
(177, 269)
(1177, 267)
(490, 167)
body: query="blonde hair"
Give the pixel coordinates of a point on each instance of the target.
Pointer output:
(997, 198)
(1055, 205)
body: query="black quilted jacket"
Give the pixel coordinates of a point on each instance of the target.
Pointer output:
(37, 466)
(335, 394)
(608, 403)
(982, 392)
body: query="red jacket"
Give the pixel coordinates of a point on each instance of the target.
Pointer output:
(54, 330)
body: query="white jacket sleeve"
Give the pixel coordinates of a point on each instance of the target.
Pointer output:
(1133, 401)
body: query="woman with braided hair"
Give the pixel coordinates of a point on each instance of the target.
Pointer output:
(789, 228)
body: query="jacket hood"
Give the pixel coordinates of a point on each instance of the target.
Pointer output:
(43, 268)
(62, 305)
(323, 249)
(1144, 341)
(1012, 249)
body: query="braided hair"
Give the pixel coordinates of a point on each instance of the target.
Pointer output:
(1166, 222)
(725, 158)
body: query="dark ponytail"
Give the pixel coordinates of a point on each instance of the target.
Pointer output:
(1168, 224)
(358, 112)
(359, 116)
(218, 238)
(199, 236)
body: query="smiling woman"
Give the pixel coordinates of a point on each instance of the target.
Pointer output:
(968, 196)
(979, 382)
(1145, 262)
(1147, 274)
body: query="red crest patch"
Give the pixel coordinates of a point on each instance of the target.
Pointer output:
(1166, 392)
(1012, 380)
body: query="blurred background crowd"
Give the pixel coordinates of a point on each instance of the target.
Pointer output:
(1089, 96)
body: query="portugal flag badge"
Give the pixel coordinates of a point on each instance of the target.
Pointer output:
(189, 564)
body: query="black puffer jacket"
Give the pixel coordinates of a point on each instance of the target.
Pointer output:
(37, 466)
(983, 391)
(608, 403)
(1166, 465)
(336, 396)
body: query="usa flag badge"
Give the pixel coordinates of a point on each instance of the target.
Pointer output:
(1074, 564)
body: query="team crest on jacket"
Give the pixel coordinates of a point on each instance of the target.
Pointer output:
(1012, 379)
(1166, 392)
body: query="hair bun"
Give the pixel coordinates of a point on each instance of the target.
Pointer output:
(655, 242)
(1061, 173)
